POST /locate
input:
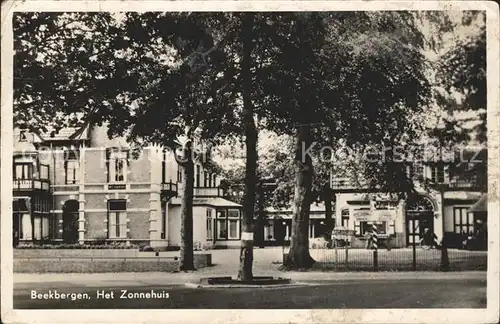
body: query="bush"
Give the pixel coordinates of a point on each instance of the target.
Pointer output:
(145, 248)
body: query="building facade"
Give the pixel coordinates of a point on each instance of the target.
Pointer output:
(79, 186)
(442, 205)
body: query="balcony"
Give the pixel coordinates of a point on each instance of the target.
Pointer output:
(344, 185)
(169, 189)
(461, 184)
(31, 185)
(208, 192)
(30, 177)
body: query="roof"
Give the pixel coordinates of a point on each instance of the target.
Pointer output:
(481, 205)
(64, 134)
(215, 201)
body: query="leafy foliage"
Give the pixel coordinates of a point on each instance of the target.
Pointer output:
(462, 70)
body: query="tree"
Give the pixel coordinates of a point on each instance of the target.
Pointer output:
(350, 75)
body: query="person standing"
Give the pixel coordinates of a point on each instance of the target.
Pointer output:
(369, 239)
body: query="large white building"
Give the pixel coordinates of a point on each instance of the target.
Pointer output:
(444, 208)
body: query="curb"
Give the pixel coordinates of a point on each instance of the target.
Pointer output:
(290, 285)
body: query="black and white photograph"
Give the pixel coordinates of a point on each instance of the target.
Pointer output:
(267, 161)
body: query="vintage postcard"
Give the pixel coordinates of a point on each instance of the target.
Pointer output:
(250, 162)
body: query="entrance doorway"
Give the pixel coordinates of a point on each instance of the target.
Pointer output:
(70, 221)
(419, 216)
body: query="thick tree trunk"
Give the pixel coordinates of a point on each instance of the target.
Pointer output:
(246, 251)
(261, 217)
(328, 210)
(186, 255)
(298, 256)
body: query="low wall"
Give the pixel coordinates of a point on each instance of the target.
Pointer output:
(104, 264)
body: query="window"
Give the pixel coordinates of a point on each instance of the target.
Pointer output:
(197, 184)
(269, 231)
(209, 175)
(437, 174)
(164, 167)
(25, 227)
(117, 219)
(362, 228)
(228, 224)
(463, 222)
(205, 179)
(209, 225)
(233, 213)
(215, 180)
(179, 173)
(233, 229)
(23, 171)
(71, 167)
(234, 223)
(344, 218)
(117, 165)
(221, 229)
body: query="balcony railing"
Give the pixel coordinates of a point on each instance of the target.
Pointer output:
(208, 192)
(344, 184)
(463, 184)
(341, 183)
(169, 188)
(31, 184)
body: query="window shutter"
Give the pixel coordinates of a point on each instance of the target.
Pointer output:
(420, 171)
(108, 154)
(446, 173)
(433, 174)
(392, 229)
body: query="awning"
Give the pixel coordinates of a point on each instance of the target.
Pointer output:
(481, 205)
(462, 195)
(21, 204)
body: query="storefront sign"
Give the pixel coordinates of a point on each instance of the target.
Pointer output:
(375, 215)
(362, 215)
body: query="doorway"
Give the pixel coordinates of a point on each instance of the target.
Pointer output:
(419, 216)
(70, 221)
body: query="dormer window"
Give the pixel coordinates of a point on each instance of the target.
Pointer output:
(23, 137)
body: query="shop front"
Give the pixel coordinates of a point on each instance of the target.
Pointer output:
(365, 220)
